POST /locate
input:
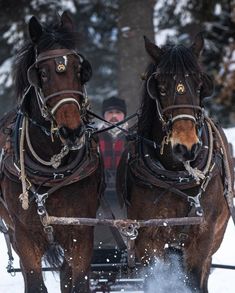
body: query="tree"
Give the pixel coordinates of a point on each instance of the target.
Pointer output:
(217, 20)
(135, 21)
(95, 21)
(111, 38)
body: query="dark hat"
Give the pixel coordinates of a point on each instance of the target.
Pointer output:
(114, 103)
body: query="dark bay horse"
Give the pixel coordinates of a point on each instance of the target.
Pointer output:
(175, 168)
(50, 163)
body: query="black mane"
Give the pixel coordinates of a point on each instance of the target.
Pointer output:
(53, 35)
(176, 59)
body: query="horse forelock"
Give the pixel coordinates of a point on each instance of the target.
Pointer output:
(56, 35)
(178, 59)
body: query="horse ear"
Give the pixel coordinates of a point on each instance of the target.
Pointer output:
(86, 71)
(35, 29)
(66, 21)
(207, 86)
(154, 51)
(198, 44)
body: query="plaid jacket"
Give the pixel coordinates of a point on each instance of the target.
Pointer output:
(111, 149)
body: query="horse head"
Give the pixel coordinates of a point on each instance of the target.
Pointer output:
(58, 75)
(178, 86)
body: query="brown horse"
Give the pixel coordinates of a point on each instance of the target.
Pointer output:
(175, 167)
(50, 164)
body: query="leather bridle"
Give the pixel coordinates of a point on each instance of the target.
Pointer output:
(198, 118)
(60, 57)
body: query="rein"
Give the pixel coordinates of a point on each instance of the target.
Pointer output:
(130, 135)
(112, 125)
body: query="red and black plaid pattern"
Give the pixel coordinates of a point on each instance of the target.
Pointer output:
(111, 149)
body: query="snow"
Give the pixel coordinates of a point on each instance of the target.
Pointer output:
(5, 78)
(220, 280)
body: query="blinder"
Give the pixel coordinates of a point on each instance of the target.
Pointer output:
(207, 87)
(85, 71)
(33, 77)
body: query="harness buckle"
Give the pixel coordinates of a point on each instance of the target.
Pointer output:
(49, 232)
(44, 111)
(195, 201)
(58, 176)
(40, 200)
(48, 229)
(41, 210)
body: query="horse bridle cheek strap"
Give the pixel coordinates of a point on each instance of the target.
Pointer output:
(161, 112)
(158, 106)
(60, 56)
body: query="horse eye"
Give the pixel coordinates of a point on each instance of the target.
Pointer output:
(43, 75)
(162, 91)
(77, 69)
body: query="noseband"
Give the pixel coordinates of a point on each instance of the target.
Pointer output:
(60, 57)
(180, 89)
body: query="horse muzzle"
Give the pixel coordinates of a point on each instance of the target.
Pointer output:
(73, 138)
(183, 153)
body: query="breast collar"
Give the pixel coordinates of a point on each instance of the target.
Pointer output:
(83, 165)
(150, 171)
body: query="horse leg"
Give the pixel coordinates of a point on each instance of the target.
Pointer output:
(198, 256)
(79, 257)
(65, 277)
(198, 268)
(196, 282)
(148, 251)
(30, 260)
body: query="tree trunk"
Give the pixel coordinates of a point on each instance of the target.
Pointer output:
(135, 21)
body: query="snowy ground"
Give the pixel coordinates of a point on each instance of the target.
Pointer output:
(220, 281)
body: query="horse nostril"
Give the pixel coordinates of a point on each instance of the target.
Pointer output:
(183, 153)
(71, 134)
(64, 132)
(180, 149)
